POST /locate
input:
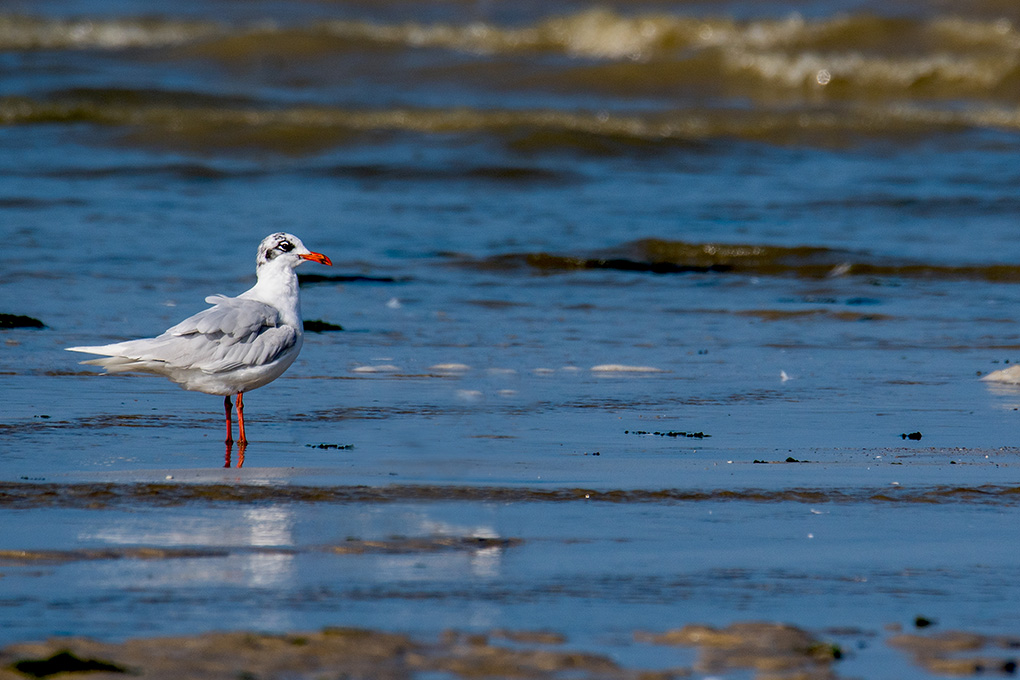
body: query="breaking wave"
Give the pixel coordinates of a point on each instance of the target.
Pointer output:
(205, 121)
(945, 55)
(19, 33)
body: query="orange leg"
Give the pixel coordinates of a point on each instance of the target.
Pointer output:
(242, 440)
(226, 407)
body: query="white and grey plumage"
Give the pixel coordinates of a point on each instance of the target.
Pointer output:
(238, 344)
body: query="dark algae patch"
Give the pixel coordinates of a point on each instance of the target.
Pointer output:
(19, 321)
(23, 557)
(422, 545)
(673, 434)
(352, 546)
(312, 279)
(660, 256)
(780, 650)
(64, 662)
(959, 653)
(336, 652)
(24, 494)
(319, 326)
(776, 650)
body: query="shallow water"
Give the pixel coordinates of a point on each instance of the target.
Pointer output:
(563, 235)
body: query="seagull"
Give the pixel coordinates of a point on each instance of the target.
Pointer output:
(236, 345)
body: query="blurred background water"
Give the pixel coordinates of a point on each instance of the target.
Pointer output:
(555, 225)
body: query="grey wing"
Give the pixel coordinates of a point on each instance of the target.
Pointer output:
(233, 333)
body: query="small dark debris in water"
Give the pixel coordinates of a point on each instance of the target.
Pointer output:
(19, 321)
(596, 453)
(41, 416)
(671, 433)
(344, 278)
(913, 436)
(789, 459)
(64, 662)
(835, 650)
(319, 326)
(340, 447)
(923, 622)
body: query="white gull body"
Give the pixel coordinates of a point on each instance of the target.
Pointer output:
(237, 345)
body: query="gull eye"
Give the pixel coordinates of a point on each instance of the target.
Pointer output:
(285, 246)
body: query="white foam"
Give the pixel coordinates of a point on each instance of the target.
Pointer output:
(377, 368)
(450, 367)
(624, 368)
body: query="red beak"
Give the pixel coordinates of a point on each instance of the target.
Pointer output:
(317, 257)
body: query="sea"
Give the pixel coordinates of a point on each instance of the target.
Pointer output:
(643, 316)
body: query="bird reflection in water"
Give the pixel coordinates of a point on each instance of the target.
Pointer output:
(241, 446)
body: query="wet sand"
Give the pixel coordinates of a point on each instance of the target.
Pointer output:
(764, 649)
(778, 651)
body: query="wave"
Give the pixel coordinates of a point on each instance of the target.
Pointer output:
(206, 121)
(940, 56)
(595, 33)
(19, 33)
(606, 34)
(660, 256)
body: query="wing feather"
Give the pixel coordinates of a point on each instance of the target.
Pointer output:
(233, 333)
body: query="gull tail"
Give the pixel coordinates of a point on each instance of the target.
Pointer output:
(113, 359)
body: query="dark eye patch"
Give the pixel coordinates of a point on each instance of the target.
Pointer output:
(285, 246)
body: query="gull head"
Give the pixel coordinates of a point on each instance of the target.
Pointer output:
(286, 250)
